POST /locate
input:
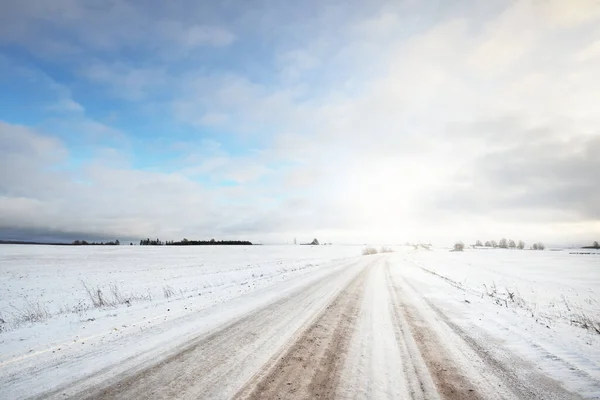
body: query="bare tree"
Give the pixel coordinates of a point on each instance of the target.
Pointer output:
(512, 244)
(503, 244)
(538, 246)
(521, 245)
(478, 244)
(459, 246)
(494, 244)
(488, 244)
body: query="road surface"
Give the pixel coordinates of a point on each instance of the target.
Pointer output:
(360, 332)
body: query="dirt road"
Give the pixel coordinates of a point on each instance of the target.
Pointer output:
(361, 332)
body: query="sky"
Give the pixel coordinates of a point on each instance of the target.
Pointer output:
(350, 121)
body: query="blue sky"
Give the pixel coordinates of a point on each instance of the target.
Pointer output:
(351, 121)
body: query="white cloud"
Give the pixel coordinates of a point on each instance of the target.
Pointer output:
(191, 37)
(67, 105)
(70, 28)
(377, 154)
(381, 127)
(214, 118)
(127, 82)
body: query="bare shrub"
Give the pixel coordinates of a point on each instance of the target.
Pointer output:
(385, 249)
(367, 251)
(31, 312)
(586, 322)
(458, 246)
(538, 246)
(115, 297)
(96, 296)
(168, 291)
(3, 323)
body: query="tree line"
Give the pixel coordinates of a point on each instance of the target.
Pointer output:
(593, 246)
(509, 244)
(186, 242)
(86, 243)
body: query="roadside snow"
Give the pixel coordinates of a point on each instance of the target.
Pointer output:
(525, 303)
(201, 278)
(552, 291)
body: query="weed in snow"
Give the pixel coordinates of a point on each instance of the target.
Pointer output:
(115, 298)
(168, 291)
(367, 251)
(30, 312)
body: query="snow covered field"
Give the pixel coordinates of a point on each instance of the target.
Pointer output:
(55, 277)
(541, 305)
(535, 312)
(46, 284)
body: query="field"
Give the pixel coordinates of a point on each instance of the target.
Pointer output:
(297, 321)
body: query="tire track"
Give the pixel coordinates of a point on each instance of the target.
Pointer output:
(202, 367)
(311, 367)
(518, 380)
(450, 383)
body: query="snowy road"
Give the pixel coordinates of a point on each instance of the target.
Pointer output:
(361, 330)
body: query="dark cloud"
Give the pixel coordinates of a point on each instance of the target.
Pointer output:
(49, 235)
(541, 169)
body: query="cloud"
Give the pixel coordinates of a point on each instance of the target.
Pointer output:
(529, 171)
(55, 96)
(440, 128)
(69, 28)
(368, 122)
(104, 198)
(126, 82)
(193, 36)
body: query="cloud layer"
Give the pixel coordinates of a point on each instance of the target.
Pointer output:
(352, 122)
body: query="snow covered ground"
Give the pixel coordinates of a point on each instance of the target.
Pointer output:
(541, 305)
(531, 310)
(46, 284)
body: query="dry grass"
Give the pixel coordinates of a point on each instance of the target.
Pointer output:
(114, 298)
(367, 251)
(458, 246)
(30, 312)
(168, 291)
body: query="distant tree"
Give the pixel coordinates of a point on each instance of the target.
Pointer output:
(77, 242)
(478, 243)
(596, 246)
(512, 244)
(459, 246)
(503, 244)
(315, 242)
(494, 244)
(534, 247)
(117, 243)
(186, 242)
(488, 244)
(131, 243)
(212, 240)
(521, 245)
(541, 246)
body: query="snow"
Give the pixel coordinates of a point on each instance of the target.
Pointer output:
(552, 293)
(552, 290)
(235, 279)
